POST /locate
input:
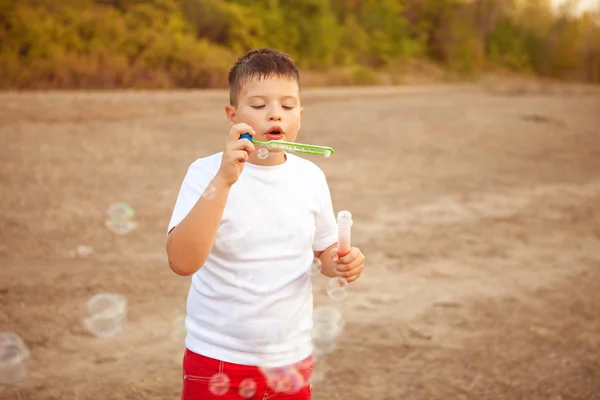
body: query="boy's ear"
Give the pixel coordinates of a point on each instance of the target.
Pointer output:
(230, 112)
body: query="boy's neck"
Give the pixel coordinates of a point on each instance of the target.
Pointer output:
(272, 160)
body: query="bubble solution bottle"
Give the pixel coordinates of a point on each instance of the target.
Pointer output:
(344, 221)
(337, 284)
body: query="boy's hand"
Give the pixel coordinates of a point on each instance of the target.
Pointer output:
(236, 153)
(349, 266)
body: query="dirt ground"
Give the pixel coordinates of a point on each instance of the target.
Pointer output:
(478, 209)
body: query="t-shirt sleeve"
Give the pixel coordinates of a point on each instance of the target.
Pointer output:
(198, 177)
(325, 224)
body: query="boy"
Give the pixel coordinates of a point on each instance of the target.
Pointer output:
(247, 227)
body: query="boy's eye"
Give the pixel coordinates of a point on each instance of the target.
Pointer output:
(287, 107)
(258, 107)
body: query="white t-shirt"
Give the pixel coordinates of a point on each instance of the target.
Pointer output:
(251, 302)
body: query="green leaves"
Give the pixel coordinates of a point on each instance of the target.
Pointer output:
(192, 43)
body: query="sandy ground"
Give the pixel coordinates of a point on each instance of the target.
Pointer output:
(478, 210)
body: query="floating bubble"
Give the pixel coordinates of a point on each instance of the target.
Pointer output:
(272, 380)
(283, 379)
(263, 153)
(210, 192)
(107, 314)
(337, 288)
(84, 251)
(247, 388)
(120, 227)
(327, 315)
(338, 282)
(327, 153)
(327, 332)
(13, 354)
(120, 211)
(336, 294)
(219, 384)
(319, 371)
(120, 219)
(327, 326)
(306, 364)
(316, 266)
(290, 382)
(323, 347)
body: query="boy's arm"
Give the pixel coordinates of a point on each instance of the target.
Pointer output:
(327, 263)
(191, 240)
(189, 243)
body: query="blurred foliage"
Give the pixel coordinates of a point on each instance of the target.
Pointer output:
(192, 43)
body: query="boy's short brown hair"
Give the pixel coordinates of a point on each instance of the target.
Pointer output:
(259, 64)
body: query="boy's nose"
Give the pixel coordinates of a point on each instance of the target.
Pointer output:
(274, 116)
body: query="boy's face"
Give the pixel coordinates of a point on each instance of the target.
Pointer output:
(271, 106)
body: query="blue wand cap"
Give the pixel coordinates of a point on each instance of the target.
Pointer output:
(246, 136)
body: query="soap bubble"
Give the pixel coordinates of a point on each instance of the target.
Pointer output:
(272, 378)
(336, 294)
(326, 315)
(306, 364)
(13, 354)
(323, 347)
(107, 314)
(120, 219)
(247, 388)
(284, 379)
(290, 382)
(327, 331)
(316, 266)
(319, 371)
(338, 282)
(327, 153)
(263, 153)
(290, 378)
(337, 288)
(84, 251)
(120, 227)
(120, 211)
(327, 326)
(219, 384)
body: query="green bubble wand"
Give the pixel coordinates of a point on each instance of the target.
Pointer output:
(291, 146)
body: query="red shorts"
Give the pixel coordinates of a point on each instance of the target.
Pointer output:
(205, 378)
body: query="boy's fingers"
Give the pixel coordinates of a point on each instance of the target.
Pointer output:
(240, 155)
(348, 258)
(333, 253)
(237, 130)
(245, 145)
(343, 268)
(349, 274)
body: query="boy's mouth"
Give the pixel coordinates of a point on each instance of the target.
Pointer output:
(275, 133)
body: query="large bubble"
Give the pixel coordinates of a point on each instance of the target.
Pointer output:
(219, 384)
(120, 218)
(13, 354)
(107, 313)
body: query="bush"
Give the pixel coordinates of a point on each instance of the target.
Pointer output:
(192, 43)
